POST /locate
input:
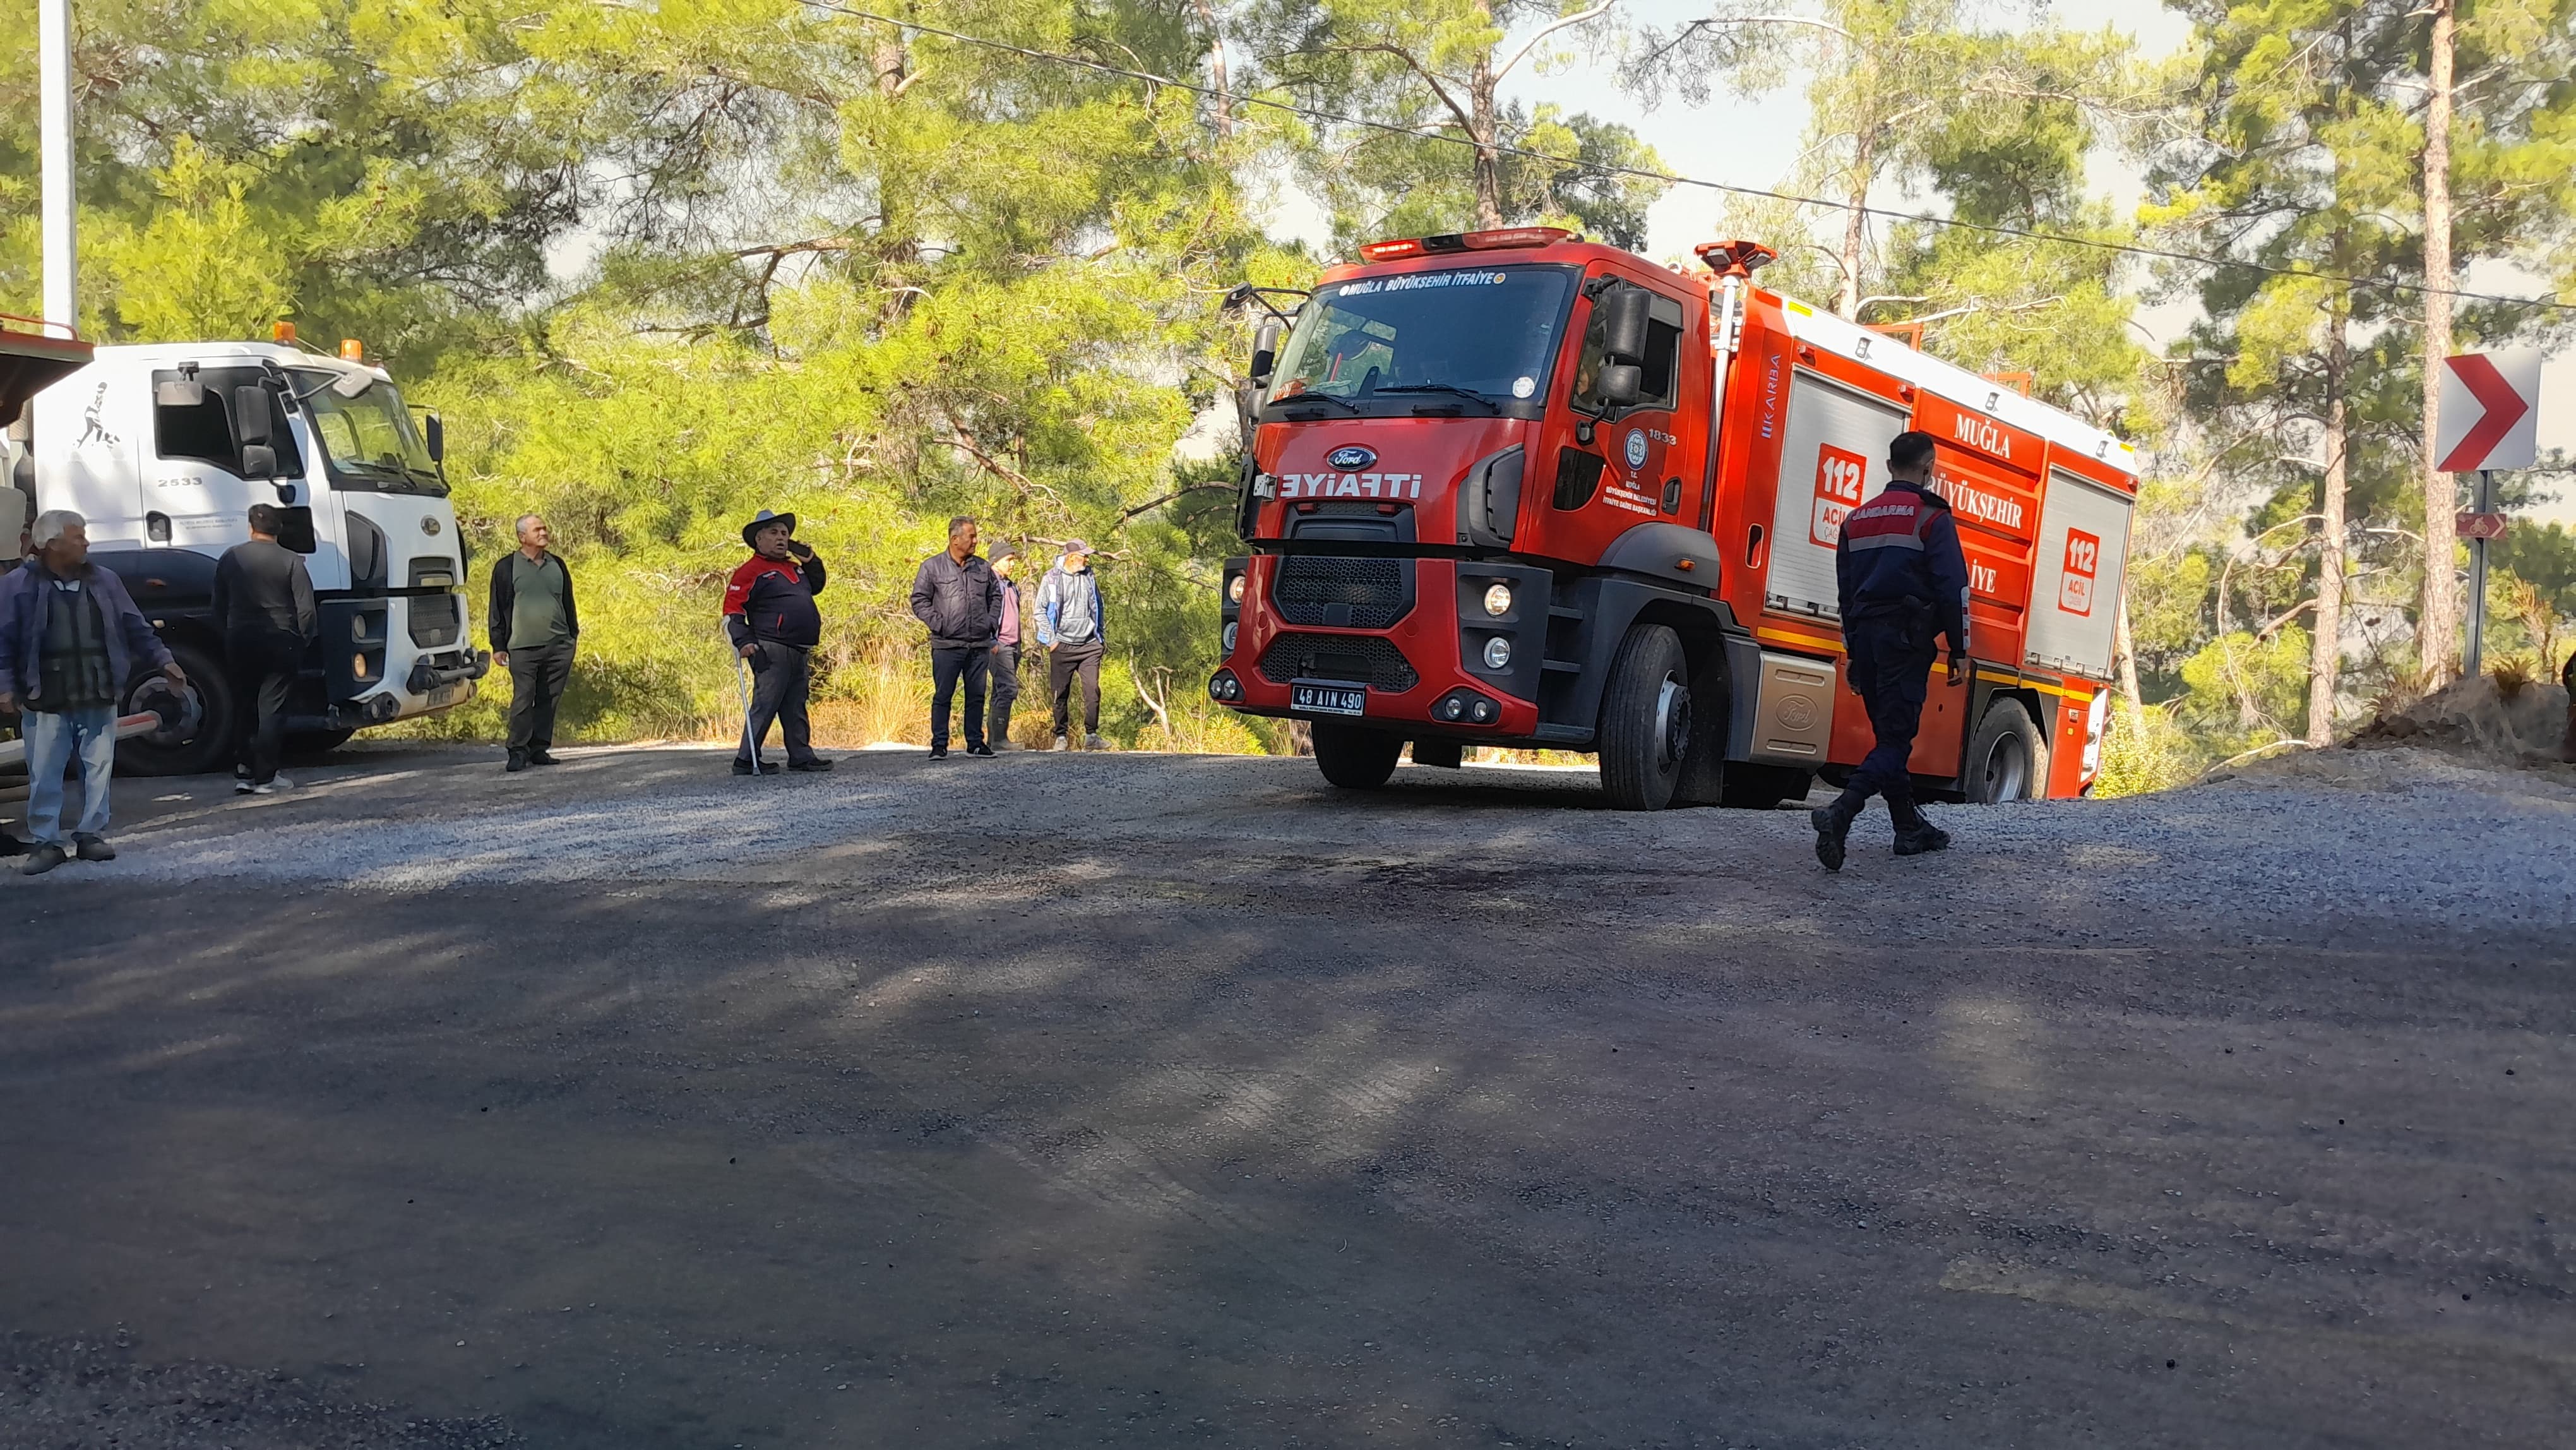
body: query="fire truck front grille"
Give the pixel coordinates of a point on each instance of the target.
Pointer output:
(1343, 593)
(1376, 663)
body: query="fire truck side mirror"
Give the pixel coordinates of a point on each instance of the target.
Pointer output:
(1265, 351)
(1624, 312)
(1622, 384)
(436, 441)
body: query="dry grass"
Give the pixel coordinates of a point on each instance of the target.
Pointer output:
(2513, 675)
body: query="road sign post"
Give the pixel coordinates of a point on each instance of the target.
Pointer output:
(2490, 420)
(2478, 577)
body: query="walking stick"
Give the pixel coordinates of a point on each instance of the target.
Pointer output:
(742, 686)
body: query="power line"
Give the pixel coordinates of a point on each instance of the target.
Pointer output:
(1675, 179)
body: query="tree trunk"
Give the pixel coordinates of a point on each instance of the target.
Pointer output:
(889, 60)
(2437, 623)
(1216, 71)
(1487, 124)
(2325, 662)
(1864, 160)
(2133, 704)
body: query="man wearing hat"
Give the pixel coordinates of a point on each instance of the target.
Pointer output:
(769, 614)
(1069, 625)
(956, 594)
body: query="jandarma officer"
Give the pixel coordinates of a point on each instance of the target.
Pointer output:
(1902, 581)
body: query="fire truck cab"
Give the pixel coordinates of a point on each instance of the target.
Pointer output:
(1515, 489)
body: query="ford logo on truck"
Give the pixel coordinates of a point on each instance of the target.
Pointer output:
(1351, 457)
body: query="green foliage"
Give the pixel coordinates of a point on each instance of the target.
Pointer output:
(2242, 691)
(1436, 67)
(2151, 753)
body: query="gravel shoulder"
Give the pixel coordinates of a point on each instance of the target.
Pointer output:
(1162, 1100)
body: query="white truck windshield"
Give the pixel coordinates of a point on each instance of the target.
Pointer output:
(368, 440)
(1429, 339)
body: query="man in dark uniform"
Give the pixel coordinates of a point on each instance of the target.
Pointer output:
(264, 610)
(1902, 580)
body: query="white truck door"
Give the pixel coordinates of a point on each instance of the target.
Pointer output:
(1833, 455)
(91, 430)
(2077, 568)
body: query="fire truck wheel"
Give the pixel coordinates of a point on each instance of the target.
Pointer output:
(197, 730)
(1353, 757)
(2008, 759)
(1645, 720)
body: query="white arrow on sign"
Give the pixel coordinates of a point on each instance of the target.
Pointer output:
(2490, 411)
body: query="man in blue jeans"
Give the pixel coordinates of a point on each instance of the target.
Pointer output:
(69, 634)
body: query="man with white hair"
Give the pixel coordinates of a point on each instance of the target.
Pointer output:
(69, 636)
(535, 629)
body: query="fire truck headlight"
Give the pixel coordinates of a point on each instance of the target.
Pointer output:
(1229, 637)
(1452, 708)
(1498, 651)
(1484, 712)
(1234, 591)
(1498, 600)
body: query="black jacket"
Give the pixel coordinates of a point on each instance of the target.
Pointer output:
(263, 586)
(962, 603)
(505, 599)
(773, 599)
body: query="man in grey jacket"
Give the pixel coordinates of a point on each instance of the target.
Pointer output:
(1069, 625)
(954, 592)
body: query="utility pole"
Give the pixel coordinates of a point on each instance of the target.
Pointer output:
(54, 106)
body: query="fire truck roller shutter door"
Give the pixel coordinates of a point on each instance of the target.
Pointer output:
(1834, 455)
(2075, 594)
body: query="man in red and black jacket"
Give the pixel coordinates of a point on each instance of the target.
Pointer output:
(1902, 581)
(769, 613)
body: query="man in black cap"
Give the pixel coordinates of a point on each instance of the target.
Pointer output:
(954, 592)
(769, 614)
(1902, 581)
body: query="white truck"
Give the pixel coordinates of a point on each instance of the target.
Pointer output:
(163, 448)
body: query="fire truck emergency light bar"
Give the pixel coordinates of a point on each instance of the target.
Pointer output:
(1499, 237)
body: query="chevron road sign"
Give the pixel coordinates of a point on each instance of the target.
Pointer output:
(2490, 411)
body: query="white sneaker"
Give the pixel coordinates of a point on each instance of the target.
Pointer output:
(1094, 742)
(273, 786)
(1062, 744)
(242, 785)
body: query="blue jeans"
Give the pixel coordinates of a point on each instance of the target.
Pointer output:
(51, 739)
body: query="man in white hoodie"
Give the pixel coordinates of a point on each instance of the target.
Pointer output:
(1069, 625)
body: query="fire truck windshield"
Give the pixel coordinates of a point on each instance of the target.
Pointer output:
(1428, 342)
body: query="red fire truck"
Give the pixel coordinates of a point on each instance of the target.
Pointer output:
(1511, 488)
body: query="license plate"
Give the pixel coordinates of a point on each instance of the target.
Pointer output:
(445, 695)
(1328, 698)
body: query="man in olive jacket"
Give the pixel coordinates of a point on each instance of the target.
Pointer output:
(956, 594)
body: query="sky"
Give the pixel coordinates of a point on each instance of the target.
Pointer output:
(1753, 143)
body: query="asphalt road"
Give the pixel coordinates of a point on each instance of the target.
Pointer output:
(1137, 1101)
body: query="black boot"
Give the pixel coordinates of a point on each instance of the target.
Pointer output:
(1915, 835)
(1832, 824)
